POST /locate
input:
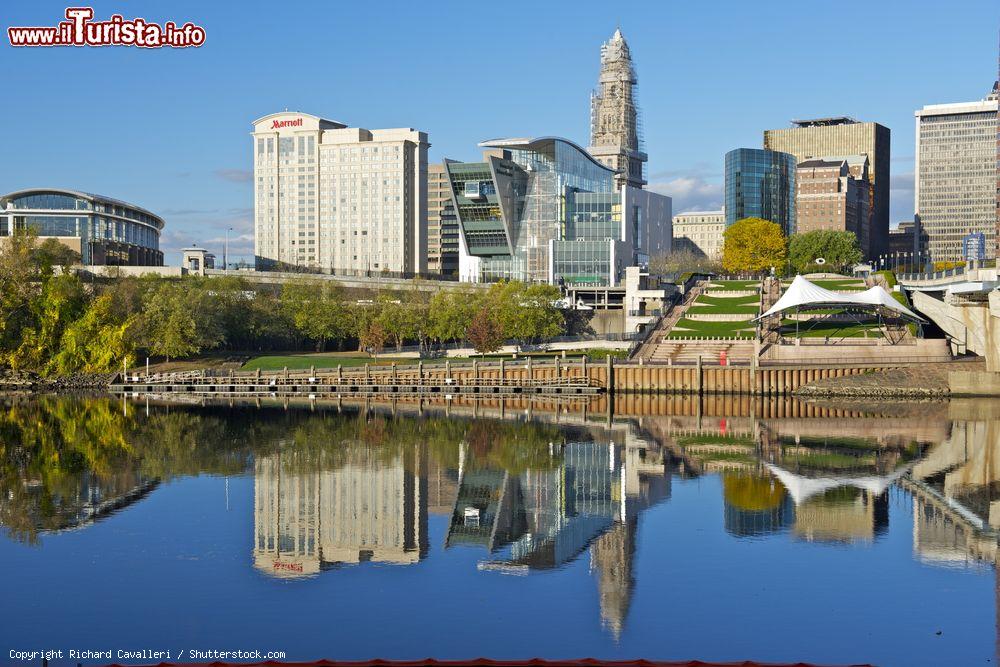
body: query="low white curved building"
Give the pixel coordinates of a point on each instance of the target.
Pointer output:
(103, 230)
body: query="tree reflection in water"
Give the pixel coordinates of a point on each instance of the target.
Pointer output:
(335, 486)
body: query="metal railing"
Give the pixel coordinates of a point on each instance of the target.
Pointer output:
(841, 361)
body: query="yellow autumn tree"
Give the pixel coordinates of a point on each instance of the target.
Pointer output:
(753, 245)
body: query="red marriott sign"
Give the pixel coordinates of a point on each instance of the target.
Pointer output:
(275, 124)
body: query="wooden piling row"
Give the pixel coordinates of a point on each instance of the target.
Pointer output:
(508, 378)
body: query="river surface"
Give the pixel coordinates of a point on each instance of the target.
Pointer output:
(666, 528)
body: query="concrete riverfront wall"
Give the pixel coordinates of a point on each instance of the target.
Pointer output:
(764, 381)
(502, 378)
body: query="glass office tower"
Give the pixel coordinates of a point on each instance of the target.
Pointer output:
(761, 184)
(544, 211)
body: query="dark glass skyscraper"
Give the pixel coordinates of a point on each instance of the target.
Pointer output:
(760, 184)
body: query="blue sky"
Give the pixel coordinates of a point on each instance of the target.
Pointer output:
(169, 129)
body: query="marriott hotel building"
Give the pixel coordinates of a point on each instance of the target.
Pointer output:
(347, 201)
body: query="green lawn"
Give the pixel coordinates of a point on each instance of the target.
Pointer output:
(844, 285)
(708, 299)
(713, 439)
(734, 284)
(828, 461)
(699, 329)
(299, 362)
(863, 444)
(714, 309)
(831, 329)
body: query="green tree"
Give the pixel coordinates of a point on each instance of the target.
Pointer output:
(753, 245)
(98, 342)
(317, 310)
(839, 250)
(396, 319)
(450, 312)
(179, 320)
(526, 313)
(51, 253)
(681, 260)
(18, 290)
(60, 302)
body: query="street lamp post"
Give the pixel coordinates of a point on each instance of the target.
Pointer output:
(225, 250)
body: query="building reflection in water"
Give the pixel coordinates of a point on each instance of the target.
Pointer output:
(589, 497)
(532, 489)
(956, 491)
(789, 474)
(307, 518)
(541, 506)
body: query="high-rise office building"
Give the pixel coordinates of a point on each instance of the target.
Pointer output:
(310, 514)
(956, 175)
(842, 136)
(761, 184)
(442, 223)
(831, 197)
(345, 200)
(615, 130)
(996, 93)
(545, 211)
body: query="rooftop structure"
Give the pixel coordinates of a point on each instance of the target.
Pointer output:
(825, 122)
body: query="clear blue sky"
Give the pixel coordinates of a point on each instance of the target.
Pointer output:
(168, 129)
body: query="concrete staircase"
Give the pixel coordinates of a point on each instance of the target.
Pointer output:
(669, 351)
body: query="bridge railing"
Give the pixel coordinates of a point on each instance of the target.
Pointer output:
(936, 275)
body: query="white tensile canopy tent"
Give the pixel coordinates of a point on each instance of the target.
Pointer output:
(801, 488)
(802, 294)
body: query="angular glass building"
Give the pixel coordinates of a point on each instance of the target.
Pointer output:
(104, 231)
(761, 184)
(544, 211)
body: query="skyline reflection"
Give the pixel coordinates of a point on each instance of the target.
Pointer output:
(538, 490)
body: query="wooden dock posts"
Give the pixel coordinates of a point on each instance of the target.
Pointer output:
(754, 379)
(502, 378)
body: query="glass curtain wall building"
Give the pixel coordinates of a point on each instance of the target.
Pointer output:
(761, 184)
(102, 230)
(544, 211)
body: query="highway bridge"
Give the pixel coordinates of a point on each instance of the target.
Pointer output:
(965, 304)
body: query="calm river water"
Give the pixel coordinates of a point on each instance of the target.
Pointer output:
(722, 529)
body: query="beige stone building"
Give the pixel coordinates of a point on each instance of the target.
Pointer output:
(701, 232)
(344, 200)
(442, 223)
(832, 195)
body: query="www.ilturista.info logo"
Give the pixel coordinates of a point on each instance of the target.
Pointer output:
(80, 30)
